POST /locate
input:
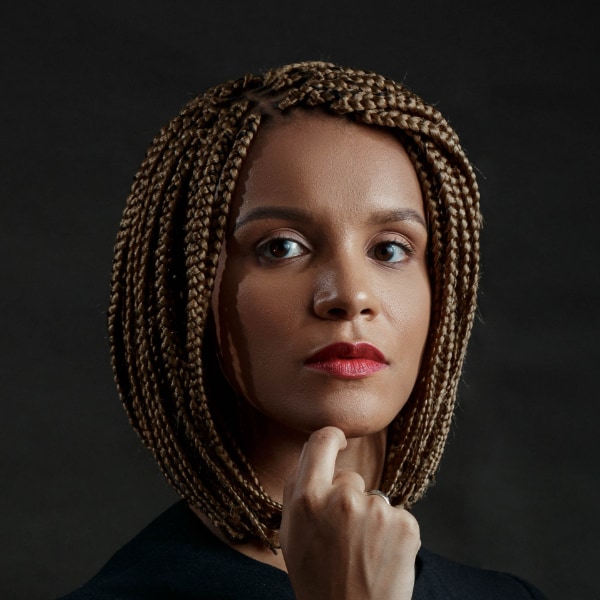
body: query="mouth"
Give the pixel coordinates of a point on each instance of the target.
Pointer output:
(348, 361)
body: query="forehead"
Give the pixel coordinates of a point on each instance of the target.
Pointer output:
(311, 158)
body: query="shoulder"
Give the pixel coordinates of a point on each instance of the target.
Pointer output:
(438, 577)
(177, 557)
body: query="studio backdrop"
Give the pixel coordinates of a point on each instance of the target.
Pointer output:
(85, 87)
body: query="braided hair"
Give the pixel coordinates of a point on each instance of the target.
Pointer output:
(166, 254)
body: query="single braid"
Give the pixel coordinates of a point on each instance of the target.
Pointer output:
(166, 257)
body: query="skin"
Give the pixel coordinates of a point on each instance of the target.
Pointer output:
(328, 244)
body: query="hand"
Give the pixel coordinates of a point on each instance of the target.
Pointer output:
(339, 543)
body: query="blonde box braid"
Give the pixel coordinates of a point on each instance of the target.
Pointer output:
(165, 262)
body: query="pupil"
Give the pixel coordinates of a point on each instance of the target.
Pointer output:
(384, 252)
(279, 248)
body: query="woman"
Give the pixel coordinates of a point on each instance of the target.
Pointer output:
(293, 290)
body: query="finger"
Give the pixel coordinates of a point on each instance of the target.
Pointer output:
(349, 479)
(408, 525)
(316, 466)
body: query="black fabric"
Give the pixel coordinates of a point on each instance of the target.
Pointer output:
(177, 558)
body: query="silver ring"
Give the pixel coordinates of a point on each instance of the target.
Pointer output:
(378, 493)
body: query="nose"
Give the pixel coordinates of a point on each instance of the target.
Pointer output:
(345, 292)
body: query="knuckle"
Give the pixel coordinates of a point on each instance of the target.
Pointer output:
(344, 504)
(349, 480)
(348, 503)
(305, 502)
(380, 513)
(409, 526)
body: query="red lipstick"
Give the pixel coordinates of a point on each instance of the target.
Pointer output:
(347, 361)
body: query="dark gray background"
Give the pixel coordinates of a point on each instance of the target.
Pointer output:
(86, 85)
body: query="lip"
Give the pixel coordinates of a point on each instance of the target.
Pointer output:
(347, 361)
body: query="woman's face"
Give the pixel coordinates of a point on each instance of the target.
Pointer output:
(322, 297)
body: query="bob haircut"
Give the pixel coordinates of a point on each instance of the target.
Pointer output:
(163, 347)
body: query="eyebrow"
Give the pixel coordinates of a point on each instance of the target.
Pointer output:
(397, 214)
(301, 216)
(273, 212)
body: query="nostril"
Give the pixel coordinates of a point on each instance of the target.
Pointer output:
(336, 312)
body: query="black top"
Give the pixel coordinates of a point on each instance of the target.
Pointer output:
(176, 557)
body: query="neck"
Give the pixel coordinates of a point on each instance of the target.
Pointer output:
(273, 452)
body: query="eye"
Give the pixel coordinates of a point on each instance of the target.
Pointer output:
(280, 248)
(390, 252)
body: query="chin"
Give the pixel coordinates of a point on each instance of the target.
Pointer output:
(357, 430)
(353, 424)
(356, 412)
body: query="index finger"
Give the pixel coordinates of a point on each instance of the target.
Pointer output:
(316, 466)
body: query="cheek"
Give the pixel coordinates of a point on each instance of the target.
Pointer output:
(256, 320)
(269, 316)
(409, 308)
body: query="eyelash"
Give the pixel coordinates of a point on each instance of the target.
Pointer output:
(263, 248)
